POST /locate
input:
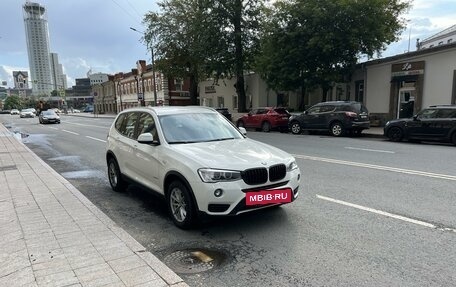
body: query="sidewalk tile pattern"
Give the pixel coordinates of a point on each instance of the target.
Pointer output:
(51, 235)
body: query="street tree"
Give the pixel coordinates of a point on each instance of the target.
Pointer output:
(238, 23)
(179, 36)
(313, 43)
(13, 102)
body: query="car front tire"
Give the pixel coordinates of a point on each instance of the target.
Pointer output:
(395, 134)
(296, 128)
(115, 177)
(266, 127)
(336, 129)
(180, 205)
(453, 138)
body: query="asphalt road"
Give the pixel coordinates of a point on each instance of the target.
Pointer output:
(370, 212)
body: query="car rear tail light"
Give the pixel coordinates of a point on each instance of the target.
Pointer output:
(351, 114)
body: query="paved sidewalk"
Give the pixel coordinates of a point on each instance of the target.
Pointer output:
(51, 235)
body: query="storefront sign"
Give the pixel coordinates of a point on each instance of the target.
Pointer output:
(407, 69)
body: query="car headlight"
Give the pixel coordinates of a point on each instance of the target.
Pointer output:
(387, 123)
(292, 166)
(217, 175)
(45, 118)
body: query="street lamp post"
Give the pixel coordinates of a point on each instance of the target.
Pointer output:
(153, 65)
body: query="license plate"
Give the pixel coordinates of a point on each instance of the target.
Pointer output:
(268, 196)
(363, 117)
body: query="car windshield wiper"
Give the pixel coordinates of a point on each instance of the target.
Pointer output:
(183, 142)
(222, 139)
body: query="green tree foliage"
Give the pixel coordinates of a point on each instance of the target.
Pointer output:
(310, 43)
(205, 38)
(238, 23)
(13, 102)
(179, 35)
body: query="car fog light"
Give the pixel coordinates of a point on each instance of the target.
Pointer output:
(218, 192)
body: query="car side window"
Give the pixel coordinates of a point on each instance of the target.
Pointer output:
(261, 111)
(146, 124)
(314, 110)
(428, 114)
(128, 125)
(446, 113)
(119, 123)
(326, 109)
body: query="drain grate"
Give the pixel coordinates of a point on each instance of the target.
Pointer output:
(193, 260)
(8, 167)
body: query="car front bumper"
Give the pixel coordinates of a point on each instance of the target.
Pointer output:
(233, 199)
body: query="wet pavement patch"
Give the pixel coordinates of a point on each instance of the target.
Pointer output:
(83, 174)
(191, 261)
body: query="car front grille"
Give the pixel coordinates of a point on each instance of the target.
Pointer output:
(277, 172)
(255, 176)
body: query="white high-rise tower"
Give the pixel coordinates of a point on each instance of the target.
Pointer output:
(37, 35)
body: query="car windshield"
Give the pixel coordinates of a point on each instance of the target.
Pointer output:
(193, 128)
(48, 113)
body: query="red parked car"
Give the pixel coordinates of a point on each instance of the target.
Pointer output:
(266, 119)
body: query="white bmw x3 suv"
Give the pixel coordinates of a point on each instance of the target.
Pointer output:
(198, 161)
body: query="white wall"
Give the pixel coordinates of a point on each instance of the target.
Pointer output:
(438, 78)
(377, 88)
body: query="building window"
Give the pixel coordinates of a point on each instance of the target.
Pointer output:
(221, 102)
(440, 43)
(449, 41)
(359, 91)
(235, 102)
(178, 84)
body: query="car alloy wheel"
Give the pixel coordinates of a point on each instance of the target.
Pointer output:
(336, 129)
(180, 205)
(115, 177)
(295, 128)
(395, 134)
(266, 127)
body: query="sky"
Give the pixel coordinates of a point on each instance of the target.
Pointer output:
(95, 34)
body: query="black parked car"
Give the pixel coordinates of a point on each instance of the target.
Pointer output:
(225, 112)
(436, 123)
(338, 117)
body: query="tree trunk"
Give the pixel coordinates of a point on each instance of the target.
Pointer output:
(193, 89)
(239, 57)
(302, 104)
(325, 89)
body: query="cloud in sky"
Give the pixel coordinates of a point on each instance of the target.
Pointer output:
(95, 34)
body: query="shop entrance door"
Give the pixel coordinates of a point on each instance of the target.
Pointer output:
(406, 102)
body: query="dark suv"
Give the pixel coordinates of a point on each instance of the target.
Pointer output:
(436, 123)
(339, 118)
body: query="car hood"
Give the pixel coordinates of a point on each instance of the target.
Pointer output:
(400, 121)
(236, 154)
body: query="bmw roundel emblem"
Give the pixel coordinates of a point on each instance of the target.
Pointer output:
(264, 163)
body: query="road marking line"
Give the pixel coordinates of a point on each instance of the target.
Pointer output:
(78, 124)
(367, 149)
(378, 167)
(54, 128)
(70, 132)
(95, 139)
(384, 213)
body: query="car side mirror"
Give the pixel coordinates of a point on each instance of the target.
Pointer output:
(305, 112)
(243, 130)
(249, 114)
(415, 118)
(146, 138)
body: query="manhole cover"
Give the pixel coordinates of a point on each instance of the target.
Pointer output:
(193, 260)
